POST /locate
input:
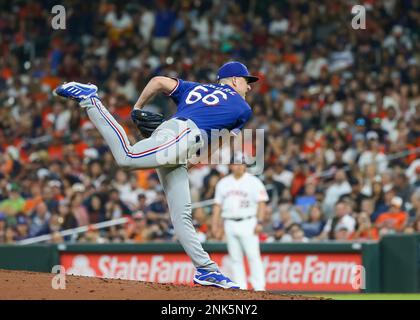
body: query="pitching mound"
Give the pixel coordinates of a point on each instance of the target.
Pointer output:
(19, 285)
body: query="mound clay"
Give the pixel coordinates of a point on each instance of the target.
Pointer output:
(24, 285)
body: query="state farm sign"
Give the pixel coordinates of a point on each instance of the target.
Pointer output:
(284, 272)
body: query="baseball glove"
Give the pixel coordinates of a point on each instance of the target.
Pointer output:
(146, 121)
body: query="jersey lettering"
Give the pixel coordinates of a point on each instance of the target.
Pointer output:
(210, 99)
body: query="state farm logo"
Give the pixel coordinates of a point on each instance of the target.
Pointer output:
(154, 270)
(310, 270)
(298, 271)
(81, 267)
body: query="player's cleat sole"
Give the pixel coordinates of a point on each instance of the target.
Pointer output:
(213, 279)
(76, 91)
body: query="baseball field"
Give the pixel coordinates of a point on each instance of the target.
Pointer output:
(18, 285)
(25, 285)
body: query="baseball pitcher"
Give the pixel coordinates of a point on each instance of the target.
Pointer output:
(240, 202)
(169, 144)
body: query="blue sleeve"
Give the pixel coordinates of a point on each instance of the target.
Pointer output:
(242, 120)
(180, 88)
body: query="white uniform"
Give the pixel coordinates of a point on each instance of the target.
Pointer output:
(239, 200)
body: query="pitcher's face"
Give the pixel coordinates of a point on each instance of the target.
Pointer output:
(240, 84)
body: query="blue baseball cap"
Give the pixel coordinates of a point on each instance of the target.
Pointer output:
(21, 220)
(278, 226)
(360, 122)
(235, 69)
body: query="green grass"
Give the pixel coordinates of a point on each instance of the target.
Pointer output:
(370, 296)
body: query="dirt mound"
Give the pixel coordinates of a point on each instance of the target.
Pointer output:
(17, 285)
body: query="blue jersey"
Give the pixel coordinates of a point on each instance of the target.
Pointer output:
(211, 106)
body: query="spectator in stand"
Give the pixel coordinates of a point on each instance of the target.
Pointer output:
(13, 204)
(52, 226)
(276, 187)
(48, 197)
(338, 160)
(284, 223)
(389, 122)
(376, 127)
(96, 173)
(369, 174)
(56, 238)
(368, 206)
(33, 197)
(137, 231)
(158, 214)
(365, 230)
(300, 173)
(39, 218)
(402, 187)
(77, 207)
(10, 235)
(356, 195)
(360, 127)
(342, 233)
(126, 192)
(162, 30)
(282, 175)
(286, 205)
(55, 186)
(117, 234)
(92, 235)
(339, 187)
(382, 198)
(157, 210)
(209, 188)
(413, 171)
(374, 154)
(152, 187)
(96, 209)
(315, 223)
(342, 220)
(395, 219)
(377, 193)
(119, 23)
(294, 234)
(115, 208)
(141, 203)
(308, 198)
(277, 232)
(21, 227)
(67, 218)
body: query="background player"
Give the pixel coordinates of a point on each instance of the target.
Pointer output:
(240, 201)
(200, 108)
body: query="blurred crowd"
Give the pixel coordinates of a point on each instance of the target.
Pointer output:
(340, 108)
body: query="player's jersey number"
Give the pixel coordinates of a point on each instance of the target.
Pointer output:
(244, 204)
(210, 99)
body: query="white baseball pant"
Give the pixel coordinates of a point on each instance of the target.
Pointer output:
(241, 237)
(168, 150)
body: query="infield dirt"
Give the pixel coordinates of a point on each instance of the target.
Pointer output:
(25, 285)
